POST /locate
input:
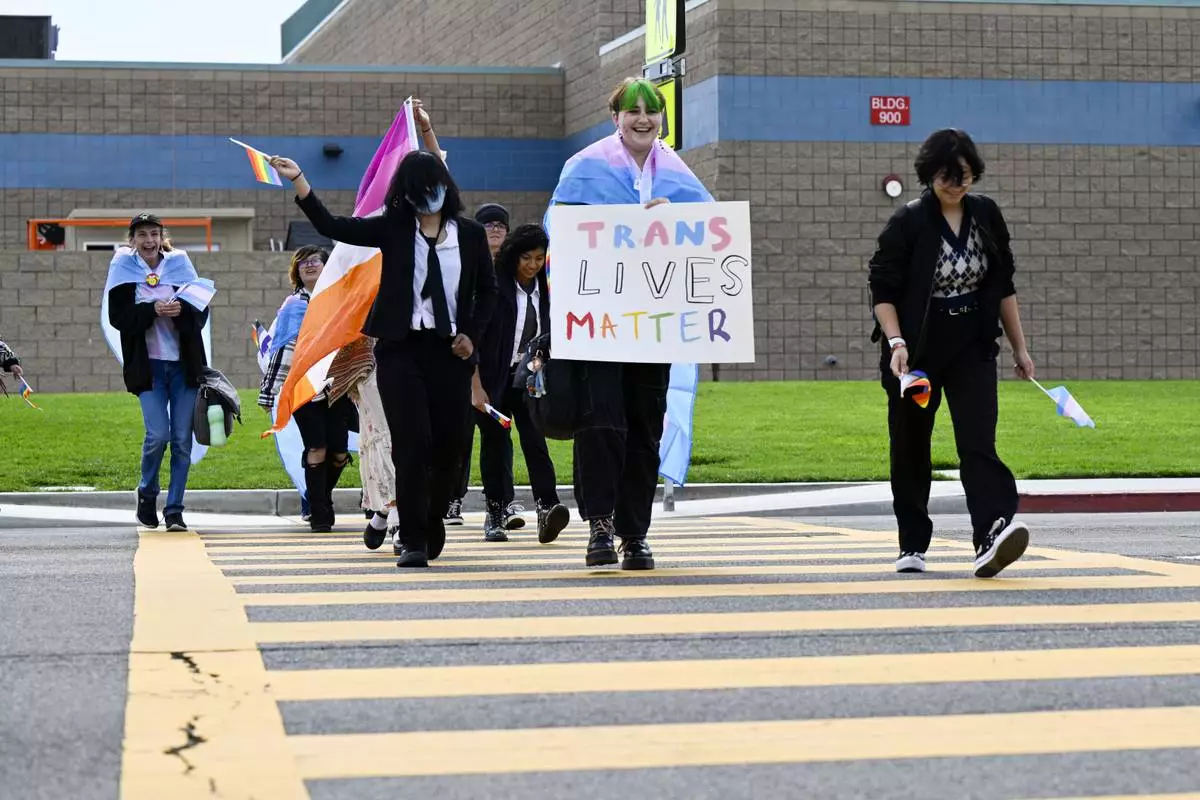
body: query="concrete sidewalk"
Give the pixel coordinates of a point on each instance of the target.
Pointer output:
(270, 507)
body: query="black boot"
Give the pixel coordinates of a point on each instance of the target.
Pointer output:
(334, 472)
(316, 478)
(635, 554)
(601, 550)
(552, 518)
(493, 523)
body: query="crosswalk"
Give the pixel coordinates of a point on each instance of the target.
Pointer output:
(764, 657)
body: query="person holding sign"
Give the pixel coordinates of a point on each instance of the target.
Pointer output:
(162, 355)
(622, 405)
(436, 294)
(522, 314)
(941, 283)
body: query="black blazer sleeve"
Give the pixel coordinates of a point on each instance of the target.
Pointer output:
(485, 286)
(1003, 241)
(889, 264)
(127, 315)
(362, 231)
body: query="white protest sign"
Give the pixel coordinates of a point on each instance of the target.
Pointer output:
(669, 284)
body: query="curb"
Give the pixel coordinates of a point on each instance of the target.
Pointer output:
(286, 502)
(1109, 502)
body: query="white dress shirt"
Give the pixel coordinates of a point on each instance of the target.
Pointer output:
(450, 260)
(522, 307)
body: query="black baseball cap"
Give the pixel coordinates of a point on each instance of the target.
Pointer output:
(491, 212)
(145, 218)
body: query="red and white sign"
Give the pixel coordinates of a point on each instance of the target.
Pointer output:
(890, 110)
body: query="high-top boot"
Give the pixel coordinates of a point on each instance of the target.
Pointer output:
(636, 554)
(333, 473)
(316, 482)
(493, 523)
(601, 549)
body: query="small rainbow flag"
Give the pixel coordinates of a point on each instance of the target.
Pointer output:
(505, 422)
(263, 171)
(26, 391)
(915, 384)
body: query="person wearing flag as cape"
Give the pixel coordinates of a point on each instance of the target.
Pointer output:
(617, 443)
(436, 293)
(324, 426)
(162, 353)
(9, 361)
(941, 284)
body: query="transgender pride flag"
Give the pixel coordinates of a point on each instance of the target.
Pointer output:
(347, 287)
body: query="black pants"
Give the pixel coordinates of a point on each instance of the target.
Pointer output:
(426, 395)
(324, 426)
(496, 452)
(464, 470)
(959, 363)
(616, 449)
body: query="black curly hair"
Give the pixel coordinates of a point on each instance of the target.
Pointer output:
(523, 239)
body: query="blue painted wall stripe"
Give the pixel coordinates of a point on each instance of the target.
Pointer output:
(82, 161)
(722, 108)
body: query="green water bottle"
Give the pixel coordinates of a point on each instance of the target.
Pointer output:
(216, 425)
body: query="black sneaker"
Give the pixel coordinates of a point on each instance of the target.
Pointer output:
(910, 561)
(435, 537)
(512, 516)
(551, 521)
(1003, 545)
(601, 550)
(373, 537)
(454, 513)
(635, 554)
(493, 523)
(147, 516)
(175, 522)
(412, 559)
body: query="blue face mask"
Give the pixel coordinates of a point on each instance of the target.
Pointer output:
(431, 203)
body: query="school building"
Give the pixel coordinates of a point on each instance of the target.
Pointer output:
(1088, 115)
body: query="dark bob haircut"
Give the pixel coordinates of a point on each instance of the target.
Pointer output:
(302, 255)
(416, 177)
(942, 155)
(521, 241)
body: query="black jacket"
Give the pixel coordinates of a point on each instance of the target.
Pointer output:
(391, 315)
(495, 353)
(902, 269)
(132, 319)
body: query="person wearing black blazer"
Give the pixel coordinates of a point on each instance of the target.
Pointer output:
(437, 291)
(522, 314)
(941, 283)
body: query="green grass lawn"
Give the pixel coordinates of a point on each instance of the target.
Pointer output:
(745, 432)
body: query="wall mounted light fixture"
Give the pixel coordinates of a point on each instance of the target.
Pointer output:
(332, 150)
(892, 186)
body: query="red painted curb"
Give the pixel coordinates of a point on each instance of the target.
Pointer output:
(1109, 503)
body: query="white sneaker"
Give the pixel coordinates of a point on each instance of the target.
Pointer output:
(1003, 545)
(910, 562)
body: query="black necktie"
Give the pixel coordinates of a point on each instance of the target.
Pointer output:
(531, 323)
(435, 291)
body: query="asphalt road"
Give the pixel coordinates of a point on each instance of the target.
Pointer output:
(814, 670)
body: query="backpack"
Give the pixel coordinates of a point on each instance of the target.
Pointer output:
(548, 390)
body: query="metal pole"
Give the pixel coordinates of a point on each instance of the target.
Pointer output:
(668, 495)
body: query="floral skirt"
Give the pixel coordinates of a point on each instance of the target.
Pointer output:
(374, 447)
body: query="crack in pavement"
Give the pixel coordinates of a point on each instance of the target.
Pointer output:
(193, 740)
(192, 666)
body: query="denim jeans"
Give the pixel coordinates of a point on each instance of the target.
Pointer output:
(167, 411)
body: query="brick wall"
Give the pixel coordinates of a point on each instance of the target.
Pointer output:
(255, 104)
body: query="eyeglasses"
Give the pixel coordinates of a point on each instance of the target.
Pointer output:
(967, 179)
(312, 262)
(495, 226)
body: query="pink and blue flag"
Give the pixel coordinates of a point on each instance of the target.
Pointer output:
(197, 292)
(1067, 405)
(399, 141)
(605, 173)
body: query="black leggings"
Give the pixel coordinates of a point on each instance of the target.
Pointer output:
(326, 427)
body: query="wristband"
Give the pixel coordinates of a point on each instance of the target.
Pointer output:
(896, 342)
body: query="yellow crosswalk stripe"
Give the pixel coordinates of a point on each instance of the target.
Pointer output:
(766, 742)
(510, 548)
(665, 568)
(709, 590)
(734, 622)
(749, 673)
(390, 574)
